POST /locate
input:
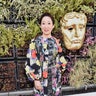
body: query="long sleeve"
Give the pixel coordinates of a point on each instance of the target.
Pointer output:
(60, 59)
(33, 69)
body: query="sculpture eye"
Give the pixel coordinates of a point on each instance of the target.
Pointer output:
(70, 29)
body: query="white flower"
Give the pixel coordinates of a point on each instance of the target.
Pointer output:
(62, 59)
(32, 45)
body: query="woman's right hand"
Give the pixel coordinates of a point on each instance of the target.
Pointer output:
(38, 85)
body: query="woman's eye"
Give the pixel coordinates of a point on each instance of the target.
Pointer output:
(49, 23)
(43, 23)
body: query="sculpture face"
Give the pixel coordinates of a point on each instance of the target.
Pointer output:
(73, 26)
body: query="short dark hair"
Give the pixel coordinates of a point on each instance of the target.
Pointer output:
(46, 14)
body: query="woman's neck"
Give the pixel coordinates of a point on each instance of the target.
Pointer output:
(46, 36)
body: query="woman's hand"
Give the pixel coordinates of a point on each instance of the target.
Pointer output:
(38, 85)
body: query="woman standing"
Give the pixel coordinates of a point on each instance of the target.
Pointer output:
(45, 58)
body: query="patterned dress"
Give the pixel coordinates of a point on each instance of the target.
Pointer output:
(43, 55)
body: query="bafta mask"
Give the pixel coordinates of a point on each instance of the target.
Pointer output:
(73, 26)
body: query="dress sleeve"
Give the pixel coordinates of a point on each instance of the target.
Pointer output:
(60, 59)
(33, 69)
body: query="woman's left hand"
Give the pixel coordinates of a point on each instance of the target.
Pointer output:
(38, 85)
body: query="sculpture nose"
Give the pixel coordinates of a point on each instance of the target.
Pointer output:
(76, 31)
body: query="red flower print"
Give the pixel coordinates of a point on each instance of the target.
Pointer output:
(59, 49)
(33, 53)
(63, 65)
(33, 75)
(45, 74)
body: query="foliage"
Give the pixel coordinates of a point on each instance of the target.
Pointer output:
(6, 37)
(80, 75)
(20, 9)
(83, 67)
(32, 29)
(92, 54)
(16, 35)
(84, 70)
(14, 10)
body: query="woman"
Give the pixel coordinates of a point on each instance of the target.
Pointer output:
(45, 58)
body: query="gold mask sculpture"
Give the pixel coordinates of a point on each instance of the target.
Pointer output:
(73, 26)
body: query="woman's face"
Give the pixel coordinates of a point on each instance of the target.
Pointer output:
(46, 25)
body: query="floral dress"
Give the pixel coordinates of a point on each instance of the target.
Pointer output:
(43, 55)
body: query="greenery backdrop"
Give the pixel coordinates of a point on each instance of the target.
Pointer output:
(29, 11)
(22, 18)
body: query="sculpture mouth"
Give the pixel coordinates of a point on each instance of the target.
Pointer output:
(76, 41)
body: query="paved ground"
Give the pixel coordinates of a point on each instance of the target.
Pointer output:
(84, 94)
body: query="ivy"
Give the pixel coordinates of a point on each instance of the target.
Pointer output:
(29, 11)
(21, 9)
